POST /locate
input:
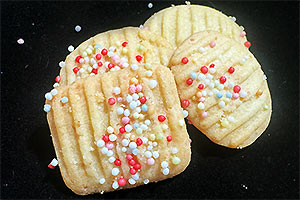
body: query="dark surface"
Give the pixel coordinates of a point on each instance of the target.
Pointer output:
(269, 168)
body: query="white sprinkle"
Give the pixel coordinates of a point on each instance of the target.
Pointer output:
(204, 93)
(165, 126)
(112, 48)
(148, 73)
(132, 145)
(55, 85)
(81, 70)
(201, 76)
(243, 94)
(148, 154)
(153, 84)
(222, 104)
(138, 109)
(110, 54)
(136, 176)
(104, 150)
(181, 122)
(147, 122)
(134, 67)
(64, 99)
(221, 87)
(129, 98)
(125, 65)
(149, 148)
(150, 5)
(48, 96)
(115, 185)
(77, 28)
(146, 181)
(54, 162)
(166, 171)
(154, 144)
(135, 152)
(201, 49)
(110, 153)
(112, 137)
(128, 128)
(115, 171)
(86, 59)
(174, 150)
(206, 81)
(209, 76)
(70, 48)
(231, 84)
(81, 60)
(264, 77)
(242, 28)
(125, 142)
(124, 149)
(164, 164)
(135, 96)
(131, 181)
(116, 90)
(145, 140)
(120, 110)
(102, 181)
(20, 41)
(53, 92)
(100, 143)
(47, 107)
(111, 159)
(110, 129)
(201, 106)
(133, 105)
(211, 85)
(212, 70)
(185, 113)
(126, 112)
(231, 119)
(155, 154)
(210, 93)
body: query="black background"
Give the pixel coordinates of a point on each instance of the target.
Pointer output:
(269, 168)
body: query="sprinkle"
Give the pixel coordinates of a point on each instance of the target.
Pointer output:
(144, 107)
(185, 103)
(115, 171)
(134, 67)
(102, 181)
(62, 64)
(100, 143)
(115, 185)
(112, 159)
(212, 44)
(139, 58)
(222, 104)
(77, 28)
(247, 44)
(161, 118)
(150, 161)
(53, 163)
(104, 150)
(155, 154)
(164, 164)
(193, 75)
(264, 77)
(120, 110)
(70, 48)
(152, 137)
(235, 95)
(112, 137)
(20, 41)
(47, 107)
(146, 181)
(154, 144)
(124, 149)
(201, 49)
(147, 122)
(165, 126)
(135, 152)
(166, 171)
(266, 107)
(201, 106)
(64, 100)
(185, 113)
(243, 33)
(176, 160)
(204, 69)
(224, 123)
(201, 76)
(200, 86)
(219, 95)
(204, 114)
(48, 96)
(109, 153)
(133, 105)
(110, 129)
(181, 122)
(174, 150)
(128, 128)
(236, 89)
(136, 176)
(184, 60)
(228, 95)
(212, 70)
(150, 5)
(153, 84)
(116, 90)
(243, 94)
(131, 181)
(231, 119)
(148, 154)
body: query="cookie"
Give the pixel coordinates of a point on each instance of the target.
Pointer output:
(118, 130)
(112, 51)
(222, 89)
(177, 23)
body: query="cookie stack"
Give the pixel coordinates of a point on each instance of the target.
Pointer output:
(117, 111)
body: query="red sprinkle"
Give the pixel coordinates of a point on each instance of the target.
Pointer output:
(236, 89)
(104, 52)
(137, 166)
(139, 58)
(231, 70)
(58, 79)
(169, 138)
(201, 86)
(117, 162)
(122, 181)
(95, 71)
(129, 157)
(185, 103)
(189, 81)
(99, 64)
(122, 130)
(110, 65)
(51, 166)
(75, 70)
(211, 65)
(222, 79)
(139, 141)
(78, 58)
(204, 69)
(111, 101)
(132, 171)
(143, 99)
(161, 118)
(105, 138)
(98, 56)
(131, 162)
(247, 44)
(124, 44)
(184, 60)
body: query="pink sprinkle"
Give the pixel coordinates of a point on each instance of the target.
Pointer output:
(20, 41)
(202, 99)
(109, 145)
(235, 95)
(150, 161)
(120, 99)
(204, 114)
(115, 57)
(125, 120)
(132, 88)
(190, 140)
(212, 44)
(243, 33)
(139, 88)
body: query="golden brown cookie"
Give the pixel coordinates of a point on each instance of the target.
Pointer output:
(177, 23)
(118, 130)
(114, 50)
(222, 89)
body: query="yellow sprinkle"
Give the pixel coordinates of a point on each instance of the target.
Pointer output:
(224, 123)
(124, 50)
(176, 160)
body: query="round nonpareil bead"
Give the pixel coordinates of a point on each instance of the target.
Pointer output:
(231, 70)
(102, 181)
(212, 70)
(200, 86)
(247, 44)
(236, 89)
(153, 84)
(131, 181)
(112, 137)
(144, 107)
(109, 153)
(111, 159)
(150, 161)
(100, 143)
(111, 101)
(204, 93)
(229, 95)
(243, 94)
(126, 112)
(219, 95)
(64, 100)
(189, 81)
(235, 95)
(185, 103)
(120, 110)
(201, 106)
(47, 107)
(110, 129)
(122, 181)
(222, 79)
(224, 123)
(128, 128)
(184, 60)
(115, 185)
(104, 150)
(148, 154)
(139, 58)
(155, 154)
(212, 44)
(174, 150)
(48, 96)
(132, 145)
(204, 114)
(222, 104)
(181, 122)
(185, 113)
(116, 90)
(135, 152)
(164, 164)
(204, 69)
(231, 119)
(202, 99)
(166, 171)
(134, 67)
(161, 118)
(193, 75)
(125, 120)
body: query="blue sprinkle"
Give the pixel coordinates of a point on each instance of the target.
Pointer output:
(97, 46)
(228, 95)
(219, 95)
(193, 75)
(144, 107)
(136, 125)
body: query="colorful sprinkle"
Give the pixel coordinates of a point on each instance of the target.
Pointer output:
(184, 60)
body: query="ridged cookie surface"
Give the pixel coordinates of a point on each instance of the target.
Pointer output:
(223, 88)
(177, 23)
(119, 130)
(115, 49)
